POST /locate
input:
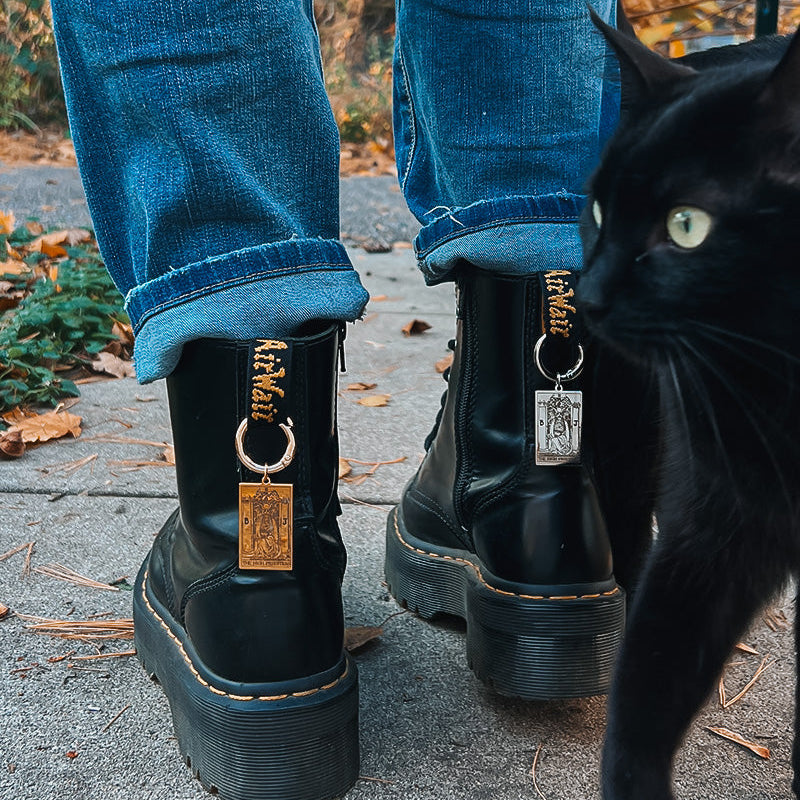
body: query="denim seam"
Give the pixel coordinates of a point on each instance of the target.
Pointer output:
(494, 224)
(412, 117)
(231, 282)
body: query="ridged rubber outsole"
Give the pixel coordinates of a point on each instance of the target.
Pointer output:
(252, 744)
(519, 643)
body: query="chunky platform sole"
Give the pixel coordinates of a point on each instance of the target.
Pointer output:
(521, 641)
(292, 741)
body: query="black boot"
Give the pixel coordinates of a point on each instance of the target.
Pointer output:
(245, 633)
(517, 550)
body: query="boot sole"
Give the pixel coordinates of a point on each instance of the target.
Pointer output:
(288, 741)
(521, 643)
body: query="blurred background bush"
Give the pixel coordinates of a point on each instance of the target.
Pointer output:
(356, 38)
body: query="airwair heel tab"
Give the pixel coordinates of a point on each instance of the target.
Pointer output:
(266, 509)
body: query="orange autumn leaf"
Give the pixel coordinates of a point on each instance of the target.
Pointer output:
(375, 400)
(415, 327)
(14, 268)
(344, 467)
(360, 387)
(124, 332)
(444, 363)
(51, 243)
(52, 250)
(43, 427)
(15, 254)
(7, 222)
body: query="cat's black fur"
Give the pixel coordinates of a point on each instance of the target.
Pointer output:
(715, 332)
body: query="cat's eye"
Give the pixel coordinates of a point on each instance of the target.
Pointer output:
(688, 226)
(597, 214)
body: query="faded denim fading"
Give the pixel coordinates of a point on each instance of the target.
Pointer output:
(209, 153)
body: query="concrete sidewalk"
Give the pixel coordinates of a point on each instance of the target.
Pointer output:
(429, 729)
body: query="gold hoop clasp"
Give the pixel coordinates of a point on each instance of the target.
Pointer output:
(266, 469)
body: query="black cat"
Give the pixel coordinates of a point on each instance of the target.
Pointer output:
(692, 275)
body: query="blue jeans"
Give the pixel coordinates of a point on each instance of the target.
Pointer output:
(209, 153)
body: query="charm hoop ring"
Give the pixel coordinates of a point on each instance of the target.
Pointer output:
(569, 375)
(266, 469)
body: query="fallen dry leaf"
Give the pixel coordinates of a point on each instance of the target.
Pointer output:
(444, 363)
(4, 611)
(14, 268)
(374, 400)
(34, 228)
(43, 427)
(52, 251)
(415, 327)
(11, 444)
(70, 236)
(7, 222)
(169, 454)
(356, 637)
(360, 387)
(745, 648)
(759, 750)
(378, 298)
(113, 365)
(344, 468)
(15, 254)
(124, 332)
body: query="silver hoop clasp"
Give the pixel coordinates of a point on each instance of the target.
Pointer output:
(266, 469)
(569, 375)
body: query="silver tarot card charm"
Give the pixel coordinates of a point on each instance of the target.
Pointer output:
(558, 427)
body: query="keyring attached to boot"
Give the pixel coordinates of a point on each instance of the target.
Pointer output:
(265, 509)
(559, 414)
(266, 469)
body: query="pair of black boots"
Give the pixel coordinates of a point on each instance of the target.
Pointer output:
(238, 607)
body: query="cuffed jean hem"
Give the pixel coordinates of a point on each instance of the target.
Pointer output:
(259, 292)
(507, 235)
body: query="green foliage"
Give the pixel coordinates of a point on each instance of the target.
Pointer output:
(30, 87)
(64, 319)
(357, 40)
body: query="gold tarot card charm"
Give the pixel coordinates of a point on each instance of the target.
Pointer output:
(265, 526)
(558, 427)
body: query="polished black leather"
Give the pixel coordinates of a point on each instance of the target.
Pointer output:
(253, 626)
(478, 487)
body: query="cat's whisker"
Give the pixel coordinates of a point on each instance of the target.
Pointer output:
(732, 346)
(725, 332)
(682, 406)
(700, 391)
(748, 411)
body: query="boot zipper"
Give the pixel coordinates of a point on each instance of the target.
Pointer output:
(342, 337)
(463, 401)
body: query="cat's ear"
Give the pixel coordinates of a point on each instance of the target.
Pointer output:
(642, 71)
(781, 95)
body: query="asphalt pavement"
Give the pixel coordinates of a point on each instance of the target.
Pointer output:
(74, 728)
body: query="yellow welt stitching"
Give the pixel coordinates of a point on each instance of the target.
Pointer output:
(207, 685)
(466, 563)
